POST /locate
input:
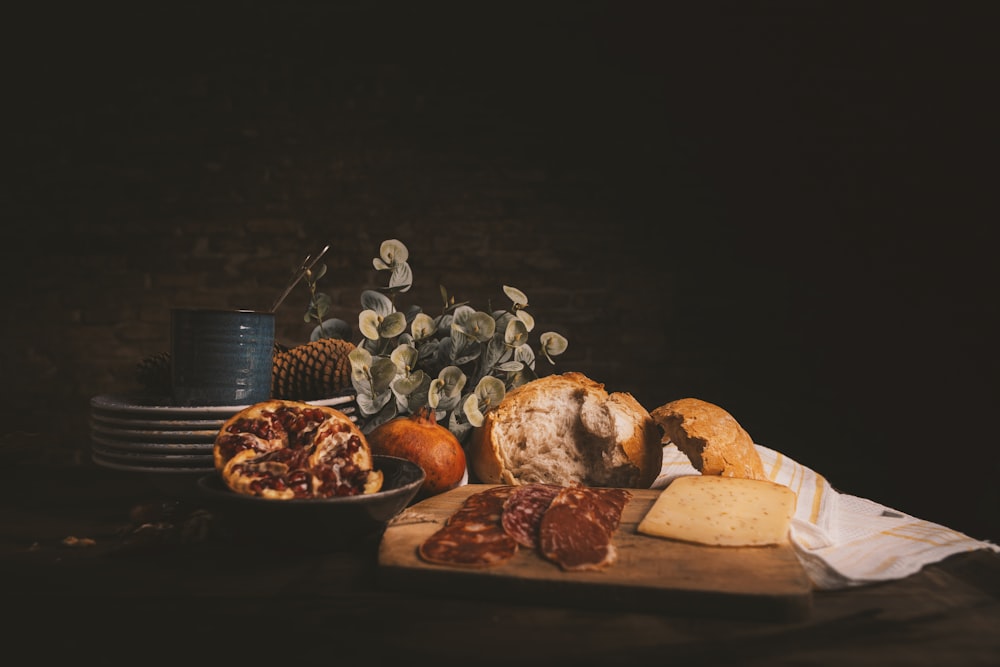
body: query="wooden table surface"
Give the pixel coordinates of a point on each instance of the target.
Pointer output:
(102, 565)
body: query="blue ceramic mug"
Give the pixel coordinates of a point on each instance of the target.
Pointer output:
(221, 357)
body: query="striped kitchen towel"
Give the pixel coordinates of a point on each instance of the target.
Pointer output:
(843, 540)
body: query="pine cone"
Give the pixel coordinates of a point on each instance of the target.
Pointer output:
(315, 370)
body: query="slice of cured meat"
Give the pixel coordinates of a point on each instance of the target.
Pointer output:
(524, 509)
(473, 536)
(577, 529)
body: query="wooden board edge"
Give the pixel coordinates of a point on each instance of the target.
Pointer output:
(470, 585)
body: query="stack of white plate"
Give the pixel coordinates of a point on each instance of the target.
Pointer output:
(147, 434)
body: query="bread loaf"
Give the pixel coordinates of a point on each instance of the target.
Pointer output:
(565, 429)
(710, 437)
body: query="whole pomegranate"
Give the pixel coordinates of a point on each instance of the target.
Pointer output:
(420, 439)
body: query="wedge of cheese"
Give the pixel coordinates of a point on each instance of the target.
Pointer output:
(722, 511)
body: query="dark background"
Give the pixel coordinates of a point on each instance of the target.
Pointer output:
(785, 208)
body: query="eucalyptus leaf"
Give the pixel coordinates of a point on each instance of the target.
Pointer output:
(461, 317)
(443, 324)
(477, 325)
(405, 385)
(380, 303)
(552, 344)
(393, 251)
(445, 392)
(332, 328)
(368, 324)
(523, 376)
(370, 405)
(461, 431)
(447, 404)
(510, 366)
(459, 341)
(472, 411)
(490, 391)
(525, 316)
(402, 277)
(392, 325)
(405, 358)
(434, 392)
(519, 298)
(422, 326)
(360, 358)
(502, 317)
(496, 352)
(516, 333)
(444, 354)
(372, 346)
(466, 354)
(428, 348)
(525, 355)
(321, 301)
(411, 391)
(411, 313)
(361, 381)
(361, 363)
(383, 372)
(454, 380)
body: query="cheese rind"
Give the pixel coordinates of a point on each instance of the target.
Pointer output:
(722, 511)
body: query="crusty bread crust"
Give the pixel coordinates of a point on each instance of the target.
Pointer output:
(565, 429)
(710, 437)
(637, 433)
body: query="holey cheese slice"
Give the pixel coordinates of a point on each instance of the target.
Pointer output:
(722, 511)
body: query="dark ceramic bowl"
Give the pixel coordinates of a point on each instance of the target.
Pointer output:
(314, 521)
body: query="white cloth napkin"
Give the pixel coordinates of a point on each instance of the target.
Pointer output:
(843, 540)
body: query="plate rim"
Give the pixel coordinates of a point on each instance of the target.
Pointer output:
(157, 435)
(137, 446)
(172, 470)
(111, 419)
(126, 404)
(149, 457)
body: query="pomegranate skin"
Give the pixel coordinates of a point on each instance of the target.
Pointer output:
(420, 439)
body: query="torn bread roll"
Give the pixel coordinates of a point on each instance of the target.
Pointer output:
(710, 437)
(566, 429)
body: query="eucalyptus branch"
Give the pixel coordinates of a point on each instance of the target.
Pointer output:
(437, 349)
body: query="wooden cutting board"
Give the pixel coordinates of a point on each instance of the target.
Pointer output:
(651, 574)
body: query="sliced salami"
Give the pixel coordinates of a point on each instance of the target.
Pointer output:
(473, 536)
(577, 529)
(524, 509)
